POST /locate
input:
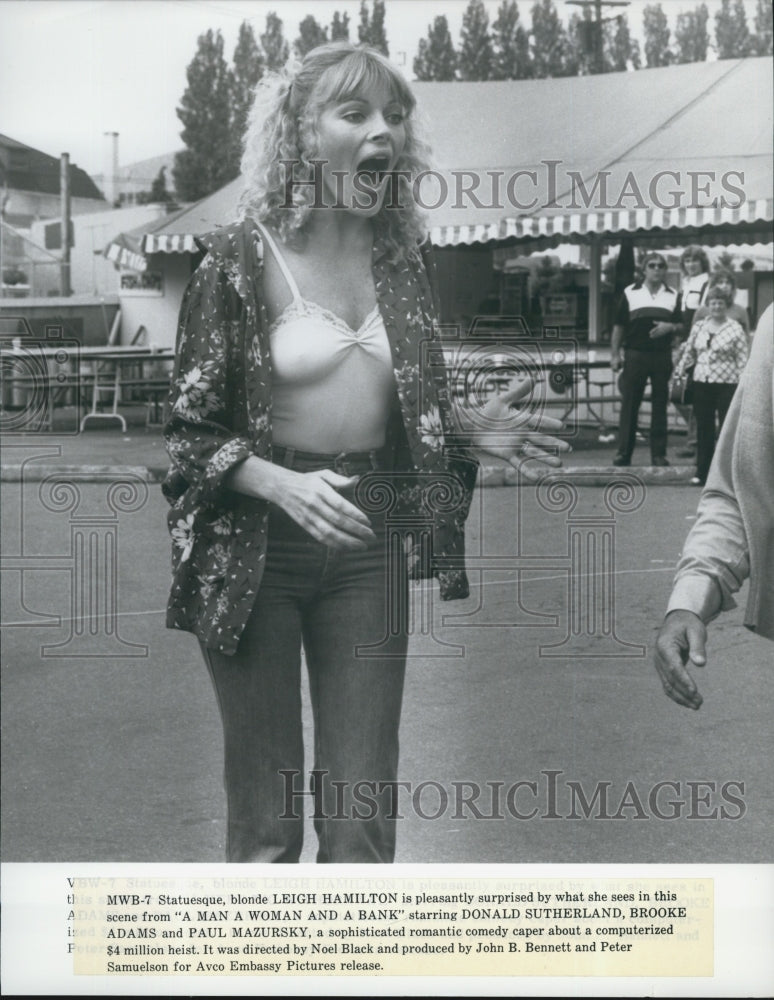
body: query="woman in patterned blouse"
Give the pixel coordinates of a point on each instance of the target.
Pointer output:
(308, 409)
(717, 348)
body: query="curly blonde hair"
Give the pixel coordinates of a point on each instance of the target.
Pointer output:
(282, 127)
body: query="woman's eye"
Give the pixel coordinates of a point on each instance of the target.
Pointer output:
(354, 116)
(396, 118)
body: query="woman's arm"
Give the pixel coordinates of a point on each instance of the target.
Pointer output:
(205, 441)
(513, 426)
(310, 498)
(742, 345)
(200, 434)
(688, 354)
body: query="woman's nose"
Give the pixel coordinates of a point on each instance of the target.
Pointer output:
(378, 126)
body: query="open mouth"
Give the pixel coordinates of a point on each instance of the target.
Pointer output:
(374, 168)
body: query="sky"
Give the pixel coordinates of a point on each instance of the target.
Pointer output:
(71, 70)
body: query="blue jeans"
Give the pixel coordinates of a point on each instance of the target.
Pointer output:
(336, 603)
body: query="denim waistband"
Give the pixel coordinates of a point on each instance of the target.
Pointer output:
(346, 463)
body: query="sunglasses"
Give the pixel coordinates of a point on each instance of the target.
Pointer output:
(657, 265)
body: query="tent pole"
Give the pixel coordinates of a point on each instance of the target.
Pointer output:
(595, 289)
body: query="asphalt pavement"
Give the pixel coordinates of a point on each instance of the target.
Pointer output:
(534, 728)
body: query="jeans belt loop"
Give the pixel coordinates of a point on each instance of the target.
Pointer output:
(287, 459)
(340, 464)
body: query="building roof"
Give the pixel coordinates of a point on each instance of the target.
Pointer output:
(678, 151)
(144, 171)
(28, 169)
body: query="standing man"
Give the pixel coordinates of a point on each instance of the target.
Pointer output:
(647, 319)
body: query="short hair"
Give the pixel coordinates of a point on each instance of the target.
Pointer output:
(282, 127)
(716, 292)
(722, 274)
(694, 252)
(654, 255)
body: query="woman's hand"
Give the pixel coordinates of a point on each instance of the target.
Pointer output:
(312, 499)
(681, 638)
(500, 428)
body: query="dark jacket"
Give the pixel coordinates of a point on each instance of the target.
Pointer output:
(220, 413)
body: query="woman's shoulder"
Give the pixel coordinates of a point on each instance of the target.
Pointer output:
(230, 241)
(734, 324)
(234, 253)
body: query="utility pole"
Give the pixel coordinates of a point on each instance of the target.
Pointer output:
(599, 49)
(64, 190)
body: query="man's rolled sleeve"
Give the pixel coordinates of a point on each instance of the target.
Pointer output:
(715, 560)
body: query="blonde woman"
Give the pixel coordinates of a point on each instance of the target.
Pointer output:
(301, 374)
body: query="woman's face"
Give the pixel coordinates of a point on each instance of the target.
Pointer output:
(717, 307)
(359, 141)
(692, 266)
(724, 285)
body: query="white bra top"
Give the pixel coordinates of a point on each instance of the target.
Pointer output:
(332, 386)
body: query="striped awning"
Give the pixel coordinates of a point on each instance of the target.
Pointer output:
(124, 256)
(751, 221)
(169, 243)
(753, 218)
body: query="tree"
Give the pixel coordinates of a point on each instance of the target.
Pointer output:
(371, 29)
(249, 67)
(436, 58)
(732, 36)
(582, 32)
(205, 112)
(476, 56)
(620, 49)
(273, 41)
(159, 190)
(476, 53)
(550, 48)
(310, 35)
(764, 29)
(510, 44)
(656, 31)
(691, 35)
(340, 27)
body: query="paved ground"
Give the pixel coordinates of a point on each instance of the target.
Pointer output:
(111, 740)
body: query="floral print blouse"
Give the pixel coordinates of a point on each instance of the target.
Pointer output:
(717, 355)
(219, 413)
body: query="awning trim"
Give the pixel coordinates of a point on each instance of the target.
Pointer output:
(168, 243)
(603, 223)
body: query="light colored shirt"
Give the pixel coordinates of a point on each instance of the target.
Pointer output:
(733, 535)
(719, 355)
(333, 386)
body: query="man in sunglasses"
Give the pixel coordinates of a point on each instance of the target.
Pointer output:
(647, 319)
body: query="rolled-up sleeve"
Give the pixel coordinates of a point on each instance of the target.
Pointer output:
(203, 434)
(715, 560)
